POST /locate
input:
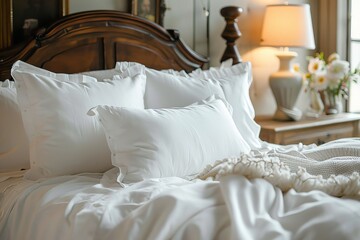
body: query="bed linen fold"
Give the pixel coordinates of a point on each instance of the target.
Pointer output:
(11, 187)
(258, 210)
(95, 206)
(332, 168)
(80, 207)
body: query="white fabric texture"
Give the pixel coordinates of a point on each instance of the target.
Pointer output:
(26, 67)
(12, 185)
(332, 168)
(82, 207)
(100, 75)
(14, 146)
(164, 90)
(179, 89)
(169, 142)
(226, 63)
(63, 139)
(235, 82)
(176, 73)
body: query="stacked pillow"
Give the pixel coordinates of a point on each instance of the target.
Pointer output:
(179, 90)
(147, 123)
(153, 143)
(14, 145)
(164, 90)
(63, 139)
(235, 82)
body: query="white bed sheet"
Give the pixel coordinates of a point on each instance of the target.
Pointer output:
(96, 207)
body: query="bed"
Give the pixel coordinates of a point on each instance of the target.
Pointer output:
(111, 129)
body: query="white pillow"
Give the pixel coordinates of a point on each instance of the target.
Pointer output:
(153, 143)
(181, 73)
(100, 75)
(235, 82)
(164, 90)
(63, 139)
(26, 67)
(14, 146)
(173, 90)
(226, 63)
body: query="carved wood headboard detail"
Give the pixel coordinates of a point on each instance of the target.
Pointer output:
(231, 33)
(95, 40)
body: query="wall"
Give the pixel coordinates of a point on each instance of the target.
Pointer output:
(188, 17)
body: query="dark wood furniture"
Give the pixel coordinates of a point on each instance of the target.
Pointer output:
(95, 40)
(308, 131)
(231, 33)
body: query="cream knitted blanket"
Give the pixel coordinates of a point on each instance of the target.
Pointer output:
(332, 168)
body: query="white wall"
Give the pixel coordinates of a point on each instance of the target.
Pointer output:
(181, 15)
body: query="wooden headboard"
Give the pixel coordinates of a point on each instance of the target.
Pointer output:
(96, 40)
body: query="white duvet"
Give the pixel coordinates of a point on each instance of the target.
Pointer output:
(95, 207)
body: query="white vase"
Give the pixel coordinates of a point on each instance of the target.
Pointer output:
(334, 103)
(316, 104)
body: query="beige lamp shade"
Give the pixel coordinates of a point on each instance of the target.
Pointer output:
(288, 26)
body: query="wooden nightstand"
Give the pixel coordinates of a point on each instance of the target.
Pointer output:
(310, 130)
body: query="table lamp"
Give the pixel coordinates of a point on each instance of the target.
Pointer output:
(287, 25)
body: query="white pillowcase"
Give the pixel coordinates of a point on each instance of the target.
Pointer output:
(100, 75)
(63, 139)
(164, 90)
(26, 67)
(179, 90)
(14, 146)
(155, 143)
(235, 82)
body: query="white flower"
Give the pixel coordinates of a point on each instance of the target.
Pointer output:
(333, 83)
(334, 76)
(333, 57)
(337, 69)
(316, 65)
(296, 67)
(320, 81)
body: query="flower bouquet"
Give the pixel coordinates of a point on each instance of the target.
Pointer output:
(329, 81)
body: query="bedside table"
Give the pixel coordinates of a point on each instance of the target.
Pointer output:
(309, 130)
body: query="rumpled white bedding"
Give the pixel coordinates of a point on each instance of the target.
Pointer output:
(96, 207)
(332, 167)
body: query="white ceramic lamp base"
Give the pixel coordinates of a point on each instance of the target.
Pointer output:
(286, 86)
